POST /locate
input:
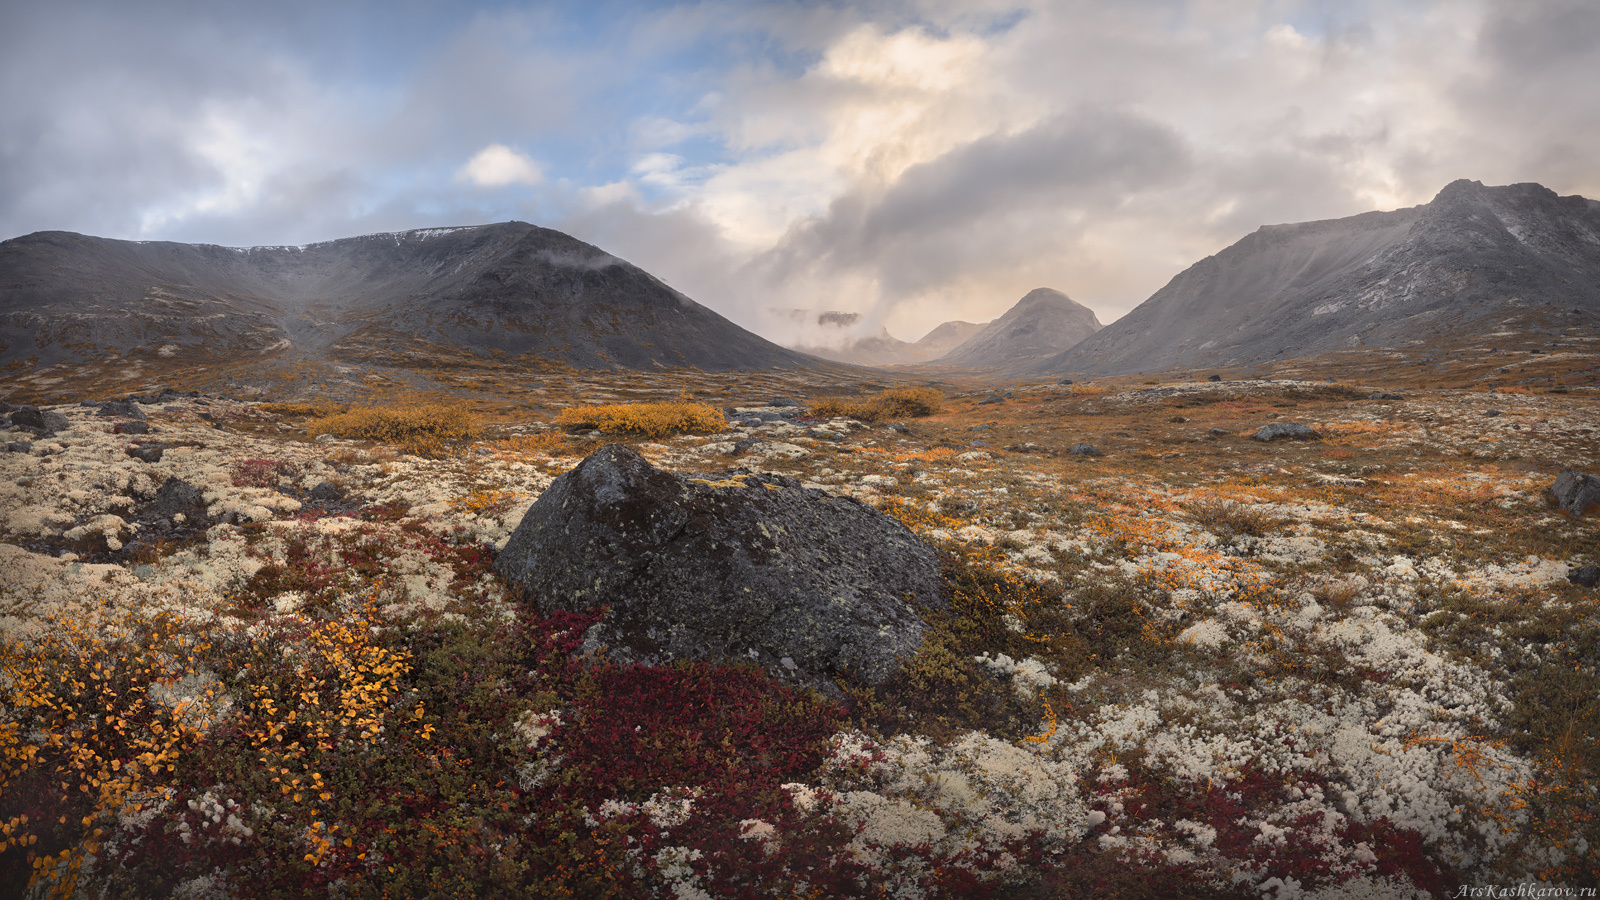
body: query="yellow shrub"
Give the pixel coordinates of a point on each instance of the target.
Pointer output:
(313, 410)
(423, 429)
(895, 403)
(654, 420)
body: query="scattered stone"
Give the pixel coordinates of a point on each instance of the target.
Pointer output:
(127, 409)
(1587, 576)
(321, 438)
(826, 435)
(973, 456)
(1218, 432)
(19, 447)
(1214, 378)
(175, 497)
(134, 427)
(897, 428)
(1576, 492)
(149, 454)
(725, 565)
(1382, 395)
(41, 422)
(1272, 415)
(1084, 450)
(1491, 413)
(327, 492)
(1294, 431)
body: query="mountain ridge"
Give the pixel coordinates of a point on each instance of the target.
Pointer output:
(1372, 280)
(511, 287)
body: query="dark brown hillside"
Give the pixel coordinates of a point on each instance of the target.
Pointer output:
(511, 288)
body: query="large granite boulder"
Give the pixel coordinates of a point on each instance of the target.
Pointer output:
(736, 565)
(1576, 492)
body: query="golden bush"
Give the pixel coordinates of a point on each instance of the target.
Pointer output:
(421, 429)
(310, 410)
(895, 403)
(654, 420)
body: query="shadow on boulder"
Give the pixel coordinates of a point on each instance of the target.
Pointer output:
(809, 585)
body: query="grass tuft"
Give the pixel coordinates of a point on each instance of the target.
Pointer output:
(653, 420)
(423, 429)
(895, 403)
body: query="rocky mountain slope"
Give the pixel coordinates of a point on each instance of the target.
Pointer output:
(509, 289)
(1043, 322)
(1456, 266)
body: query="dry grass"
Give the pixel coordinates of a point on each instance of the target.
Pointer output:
(653, 420)
(1226, 518)
(432, 430)
(547, 443)
(301, 410)
(895, 403)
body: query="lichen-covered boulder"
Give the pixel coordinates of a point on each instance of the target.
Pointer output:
(1576, 492)
(736, 565)
(1294, 431)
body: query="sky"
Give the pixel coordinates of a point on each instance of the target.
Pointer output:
(914, 161)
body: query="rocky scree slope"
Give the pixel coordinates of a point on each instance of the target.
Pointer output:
(1461, 263)
(511, 288)
(1043, 322)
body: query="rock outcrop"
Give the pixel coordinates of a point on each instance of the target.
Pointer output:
(738, 565)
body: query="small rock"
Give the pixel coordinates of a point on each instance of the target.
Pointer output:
(1491, 413)
(1214, 378)
(978, 444)
(1179, 419)
(1587, 576)
(979, 428)
(19, 447)
(134, 427)
(988, 400)
(782, 401)
(1065, 381)
(1084, 450)
(127, 409)
(1218, 432)
(826, 435)
(1272, 415)
(1382, 395)
(897, 428)
(746, 445)
(972, 456)
(323, 438)
(147, 453)
(327, 492)
(1576, 492)
(1292, 430)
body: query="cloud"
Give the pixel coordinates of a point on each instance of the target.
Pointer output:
(498, 166)
(911, 160)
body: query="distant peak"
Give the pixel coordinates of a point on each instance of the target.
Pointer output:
(1461, 187)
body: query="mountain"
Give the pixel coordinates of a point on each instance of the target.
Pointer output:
(513, 290)
(1455, 266)
(884, 349)
(1043, 322)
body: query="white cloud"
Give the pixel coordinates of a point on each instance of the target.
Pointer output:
(498, 166)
